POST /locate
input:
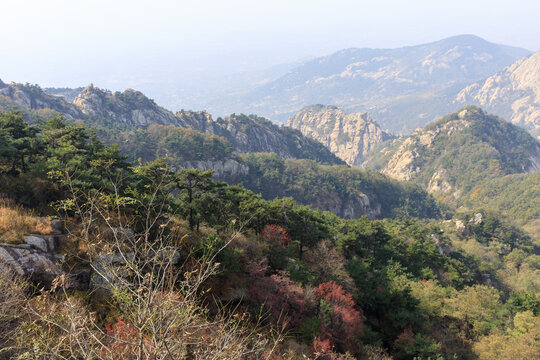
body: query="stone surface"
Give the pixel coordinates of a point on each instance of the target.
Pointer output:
(45, 243)
(478, 219)
(349, 136)
(460, 226)
(34, 264)
(513, 93)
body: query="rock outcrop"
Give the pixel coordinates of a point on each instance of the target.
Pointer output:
(130, 107)
(349, 136)
(248, 134)
(27, 96)
(406, 163)
(31, 262)
(513, 93)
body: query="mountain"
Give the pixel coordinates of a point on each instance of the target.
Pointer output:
(131, 108)
(26, 96)
(459, 157)
(140, 250)
(513, 93)
(379, 79)
(349, 136)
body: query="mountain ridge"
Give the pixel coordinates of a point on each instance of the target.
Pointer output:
(105, 108)
(461, 159)
(375, 80)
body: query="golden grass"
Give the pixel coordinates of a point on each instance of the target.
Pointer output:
(15, 222)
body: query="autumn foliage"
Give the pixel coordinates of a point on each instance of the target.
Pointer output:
(124, 342)
(278, 294)
(342, 324)
(276, 234)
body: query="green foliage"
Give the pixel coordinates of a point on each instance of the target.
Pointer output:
(419, 285)
(335, 188)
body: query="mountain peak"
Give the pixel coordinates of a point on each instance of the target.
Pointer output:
(349, 136)
(449, 154)
(385, 81)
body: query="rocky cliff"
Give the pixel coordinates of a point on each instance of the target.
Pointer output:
(349, 136)
(513, 93)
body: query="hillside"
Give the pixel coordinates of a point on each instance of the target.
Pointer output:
(32, 97)
(348, 193)
(111, 259)
(457, 157)
(349, 136)
(379, 81)
(513, 93)
(118, 111)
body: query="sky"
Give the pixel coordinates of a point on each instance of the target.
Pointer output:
(119, 44)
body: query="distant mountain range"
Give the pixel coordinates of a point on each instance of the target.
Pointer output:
(401, 88)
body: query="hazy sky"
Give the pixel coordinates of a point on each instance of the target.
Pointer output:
(120, 43)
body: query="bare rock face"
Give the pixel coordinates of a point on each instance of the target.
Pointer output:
(197, 120)
(31, 262)
(513, 93)
(33, 97)
(45, 243)
(130, 107)
(406, 163)
(349, 136)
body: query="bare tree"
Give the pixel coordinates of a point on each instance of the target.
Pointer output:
(155, 292)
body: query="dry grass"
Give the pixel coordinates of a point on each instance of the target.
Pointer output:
(15, 222)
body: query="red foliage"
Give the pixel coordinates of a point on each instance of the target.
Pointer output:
(124, 342)
(344, 324)
(279, 295)
(321, 346)
(322, 349)
(276, 234)
(334, 295)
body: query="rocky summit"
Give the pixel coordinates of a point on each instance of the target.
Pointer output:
(349, 136)
(461, 151)
(130, 107)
